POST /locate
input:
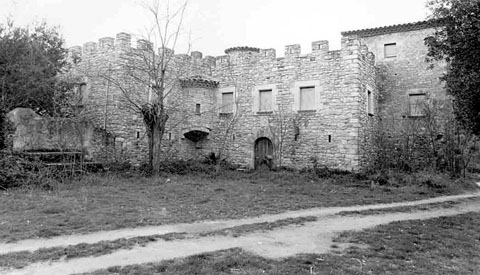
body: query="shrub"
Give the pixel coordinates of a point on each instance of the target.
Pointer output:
(433, 181)
(17, 172)
(182, 167)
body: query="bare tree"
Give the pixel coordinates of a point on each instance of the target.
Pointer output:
(432, 140)
(282, 122)
(231, 113)
(155, 75)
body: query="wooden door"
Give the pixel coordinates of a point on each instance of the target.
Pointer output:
(263, 153)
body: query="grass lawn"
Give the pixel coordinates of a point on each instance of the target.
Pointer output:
(446, 245)
(105, 202)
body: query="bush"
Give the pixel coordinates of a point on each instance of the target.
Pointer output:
(433, 181)
(18, 172)
(183, 167)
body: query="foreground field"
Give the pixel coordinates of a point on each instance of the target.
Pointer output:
(109, 202)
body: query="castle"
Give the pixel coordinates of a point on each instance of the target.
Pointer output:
(259, 109)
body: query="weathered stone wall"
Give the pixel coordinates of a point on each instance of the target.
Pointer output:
(103, 101)
(34, 132)
(185, 119)
(112, 97)
(399, 76)
(406, 73)
(329, 132)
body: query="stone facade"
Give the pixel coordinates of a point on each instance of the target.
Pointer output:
(319, 107)
(405, 72)
(413, 105)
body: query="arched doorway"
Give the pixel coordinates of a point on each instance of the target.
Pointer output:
(263, 153)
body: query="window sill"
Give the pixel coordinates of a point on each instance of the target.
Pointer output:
(264, 113)
(307, 111)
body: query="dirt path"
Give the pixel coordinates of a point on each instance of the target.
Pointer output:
(313, 237)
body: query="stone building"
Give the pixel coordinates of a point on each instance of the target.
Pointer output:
(256, 108)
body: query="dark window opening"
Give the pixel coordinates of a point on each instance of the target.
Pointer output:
(197, 109)
(138, 134)
(169, 136)
(369, 102)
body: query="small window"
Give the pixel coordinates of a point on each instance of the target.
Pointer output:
(197, 109)
(390, 50)
(416, 104)
(227, 103)
(307, 98)
(370, 109)
(265, 100)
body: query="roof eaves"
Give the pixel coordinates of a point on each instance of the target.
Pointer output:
(393, 28)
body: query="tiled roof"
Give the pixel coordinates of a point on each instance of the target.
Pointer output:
(242, 49)
(198, 81)
(393, 28)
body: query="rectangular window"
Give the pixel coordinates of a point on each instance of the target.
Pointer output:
(265, 100)
(197, 109)
(369, 102)
(227, 103)
(416, 104)
(390, 50)
(307, 98)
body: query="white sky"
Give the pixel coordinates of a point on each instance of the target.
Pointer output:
(214, 25)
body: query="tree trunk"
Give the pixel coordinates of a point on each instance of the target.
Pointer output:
(157, 134)
(150, 149)
(3, 129)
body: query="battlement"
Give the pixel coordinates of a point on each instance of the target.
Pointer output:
(320, 50)
(122, 43)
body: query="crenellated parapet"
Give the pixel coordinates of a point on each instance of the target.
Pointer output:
(144, 45)
(106, 43)
(268, 53)
(122, 44)
(123, 41)
(320, 50)
(292, 51)
(351, 48)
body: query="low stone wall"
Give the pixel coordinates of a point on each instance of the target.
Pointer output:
(34, 132)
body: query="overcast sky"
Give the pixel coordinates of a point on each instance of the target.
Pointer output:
(211, 26)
